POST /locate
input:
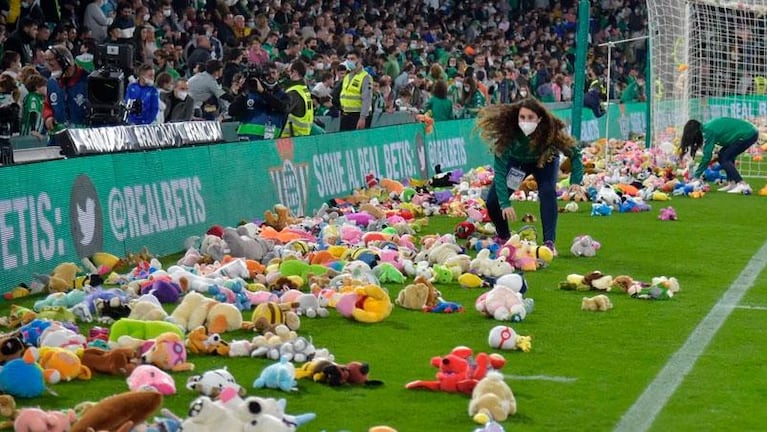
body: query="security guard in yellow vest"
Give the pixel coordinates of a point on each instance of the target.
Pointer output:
(300, 108)
(356, 97)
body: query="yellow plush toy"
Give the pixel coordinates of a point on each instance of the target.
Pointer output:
(597, 303)
(63, 277)
(369, 303)
(65, 361)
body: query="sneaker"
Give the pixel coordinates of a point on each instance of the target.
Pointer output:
(726, 187)
(740, 188)
(550, 244)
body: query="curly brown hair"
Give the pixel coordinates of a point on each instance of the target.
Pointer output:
(498, 125)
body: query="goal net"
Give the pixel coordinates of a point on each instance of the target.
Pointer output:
(708, 59)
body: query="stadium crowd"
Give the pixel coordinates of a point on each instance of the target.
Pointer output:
(206, 59)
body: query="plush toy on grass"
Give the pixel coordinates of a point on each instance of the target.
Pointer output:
(584, 246)
(280, 375)
(150, 377)
(334, 374)
(167, 351)
(667, 214)
(25, 378)
(211, 383)
(598, 303)
(66, 362)
(492, 399)
(199, 341)
(119, 412)
(38, 420)
(505, 338)
(459, 371)
(369, 304)
(117, 361)
(418, 295)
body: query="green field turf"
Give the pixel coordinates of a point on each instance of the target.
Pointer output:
(585, 369)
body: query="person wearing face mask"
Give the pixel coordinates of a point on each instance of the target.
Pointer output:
(178, 105)
(67, 94)
(143, 98)
(356, 95)
(526, 139)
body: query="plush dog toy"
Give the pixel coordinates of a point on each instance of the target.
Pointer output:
(117, 361)
(211, 383)
(280, 375)
(334, 374)
(65, 361)
(199, 341)
(167, 351)
(459, 371)
(598, 303)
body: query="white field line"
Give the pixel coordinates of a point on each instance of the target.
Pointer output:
(540, 378)
(642, 414)
(761, 308)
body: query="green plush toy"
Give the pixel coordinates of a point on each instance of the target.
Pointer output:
(442, 274)
(387, 273)
(143, 330)
(294, 267)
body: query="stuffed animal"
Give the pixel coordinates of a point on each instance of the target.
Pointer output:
(492, 399)
(147, 308)
(276, 408)
(206, 415)
(11, 347)
(116, 361)
(459, 371)
(267, 316)
(280, 375)
(211, 383)
(327, 371)
(38, 420)
(418, 295)
(504, 303)
(584, 246)
(24, 378)
(505, 338)
(167, 351)
(150, 377)
(199, 341)
(196, 310)
(63, 277)
(598, 303)
(114, 412)
(667, 214)
(279, 218)
(369, 303)
(66, 362)
(144, 330)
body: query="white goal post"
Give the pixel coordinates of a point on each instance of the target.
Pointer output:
(708, 59)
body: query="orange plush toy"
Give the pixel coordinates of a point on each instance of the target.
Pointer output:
(458, 371)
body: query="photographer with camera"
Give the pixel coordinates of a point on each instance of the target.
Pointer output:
(66, 101)
(142, 97)
(260, 106)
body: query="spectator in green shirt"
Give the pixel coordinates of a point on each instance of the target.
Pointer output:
(32, 112)
(439, 106)
(634, 91)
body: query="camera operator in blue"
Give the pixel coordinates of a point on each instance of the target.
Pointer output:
(142, 97)
(66, 102)
(260, 106)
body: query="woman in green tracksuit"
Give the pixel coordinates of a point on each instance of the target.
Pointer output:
(733, 136)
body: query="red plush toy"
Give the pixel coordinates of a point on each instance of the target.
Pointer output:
(458, 371)
(464, 229)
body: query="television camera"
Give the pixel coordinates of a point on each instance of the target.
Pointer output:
(106, 85)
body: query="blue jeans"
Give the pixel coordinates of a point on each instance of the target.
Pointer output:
(728, 154)
(546, 177)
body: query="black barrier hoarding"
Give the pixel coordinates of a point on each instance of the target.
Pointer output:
(76, 142)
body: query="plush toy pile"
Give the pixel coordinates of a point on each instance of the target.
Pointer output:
(267, 276)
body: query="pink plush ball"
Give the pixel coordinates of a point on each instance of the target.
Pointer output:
(502, 337)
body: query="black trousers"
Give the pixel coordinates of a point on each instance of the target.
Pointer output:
(349, 121)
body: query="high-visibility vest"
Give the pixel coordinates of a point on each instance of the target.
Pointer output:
(760, 85)
(351, 92)
(300, 126)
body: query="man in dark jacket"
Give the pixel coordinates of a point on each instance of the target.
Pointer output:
(23, 40)
(178, 105)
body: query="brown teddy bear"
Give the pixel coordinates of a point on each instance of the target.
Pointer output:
(492, 399)
(118, 412)
(279, 218)
(598, 303)
(418, 295)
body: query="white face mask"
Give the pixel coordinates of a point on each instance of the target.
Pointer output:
(146, 17)
(56, 74)
(167, 12)
(180, 94)
(459, 84)
(528, 127)
(127, 33)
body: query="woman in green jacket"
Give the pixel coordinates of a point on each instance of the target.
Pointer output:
(733, 136)
(526, 138)
(438, 104)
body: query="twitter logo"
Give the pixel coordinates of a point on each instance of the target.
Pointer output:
(85, 217)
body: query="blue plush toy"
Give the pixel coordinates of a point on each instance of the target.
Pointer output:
(24, 378)
(714, 173)
(281, 375)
